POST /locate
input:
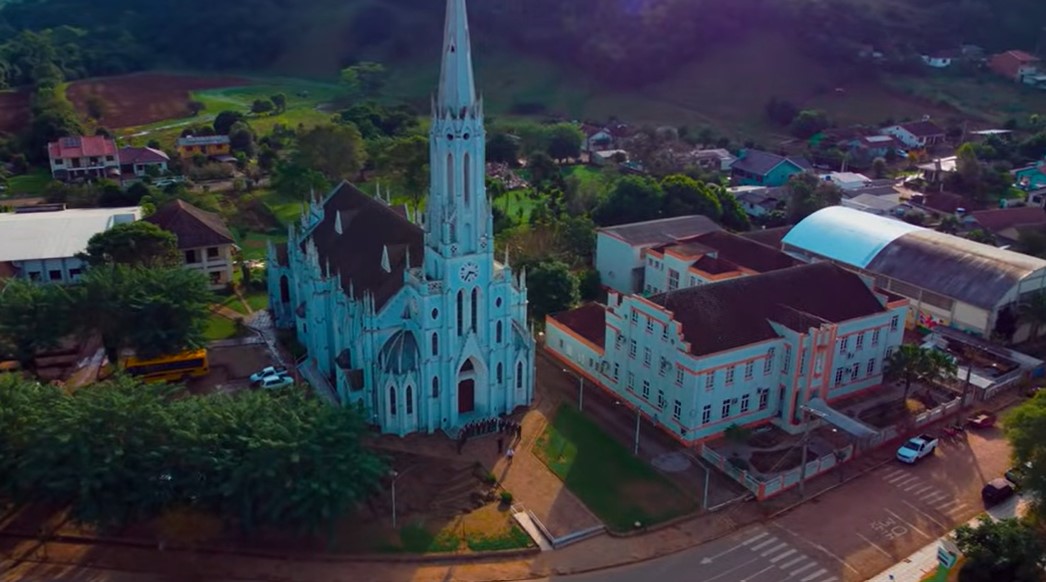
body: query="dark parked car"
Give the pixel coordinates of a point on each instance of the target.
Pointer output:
(997, 491)
(1016, 474)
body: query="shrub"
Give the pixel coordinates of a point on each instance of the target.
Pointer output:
(490, 478)
(506, 497)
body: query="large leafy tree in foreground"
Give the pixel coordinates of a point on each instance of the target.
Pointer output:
(122, 452)
(1008, 549)
(134, 243)
(1025, 428)
(910, 363)
(32, 318)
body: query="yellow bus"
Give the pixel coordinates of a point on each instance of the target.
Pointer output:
(174, 368)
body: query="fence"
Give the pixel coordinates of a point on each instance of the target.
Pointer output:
(1004, 382)
(764, 489)
(938, 413)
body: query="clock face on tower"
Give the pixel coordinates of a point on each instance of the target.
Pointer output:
(469, 272)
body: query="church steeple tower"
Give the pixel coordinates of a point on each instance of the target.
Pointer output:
(458, 220)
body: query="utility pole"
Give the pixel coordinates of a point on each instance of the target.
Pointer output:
(635, 450)
(802, 468)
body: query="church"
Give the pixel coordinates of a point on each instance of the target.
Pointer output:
(407, 315)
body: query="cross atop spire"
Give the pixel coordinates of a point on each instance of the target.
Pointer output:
(457, 88)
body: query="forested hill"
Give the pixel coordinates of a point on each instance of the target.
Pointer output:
(627, 42)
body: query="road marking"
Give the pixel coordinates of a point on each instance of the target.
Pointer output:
(924, 514)
(798, 571)
(875, 545)
(764, 543)
(893, 472)
(911, 485)
(782, 556)
(815, 575)
(910, 524)
(943, 506)
(792, 562)
(922, 490)
(750, 577)
(709, 559)
(832, 579)
(901, 478)
(910, 480)
(823, 549)
(774, 549)
(754, 538)
(936, 497)
(737, 567)
(957, 509)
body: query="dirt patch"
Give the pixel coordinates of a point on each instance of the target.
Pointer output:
(886, 414)
(14, 111)
(776, 461)
(131, 100)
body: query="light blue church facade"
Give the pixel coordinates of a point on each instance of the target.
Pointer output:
(410, 318)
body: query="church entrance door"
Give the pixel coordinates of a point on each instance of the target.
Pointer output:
(466, 396)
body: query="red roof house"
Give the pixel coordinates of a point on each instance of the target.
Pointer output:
(84, 158)
(1014, 64)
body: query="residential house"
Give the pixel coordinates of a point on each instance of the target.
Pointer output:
(41, 243)
(208, 145)
(916, 134)
(889, 205)
(84, 158)
(866, 148)
(846, 180)
(949, 280)
(708, 258)
(203, 239)
(759, 168)
(142, 162)
(1014, 65)
(1031, 177)
(1006, 224)
(597, 138)
(608, 157)
(620, 249)
(759, 201)
(940, 59)
(939, 168)
(718, 160)
(885, 187)
(748, 351)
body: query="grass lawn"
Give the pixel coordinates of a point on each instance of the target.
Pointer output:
(286, 209)
(516, 205)
(31, 184)
(257, 300)
(614, 484)
(219, 328)
(984, 95)
(488, 528)
(233, 302)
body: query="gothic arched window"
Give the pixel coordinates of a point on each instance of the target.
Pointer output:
(519, 375)
(461, 312)
(500, 376)
(497, 333)
(450, 176)
(435, 344)
(410, 400)
(392, 400)
(466, 182)
(475, 306)
(435, 386)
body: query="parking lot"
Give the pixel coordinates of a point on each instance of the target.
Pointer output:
(883, 517)
(231, 368)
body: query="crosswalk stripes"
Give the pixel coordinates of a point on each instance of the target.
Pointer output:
(816, 574)
(774, 549)
(798, 571)
(763, 544)
(780, 557)
(758, 536)
(791, 564)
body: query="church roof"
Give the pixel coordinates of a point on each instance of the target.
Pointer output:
(457, 87)
(368, 226)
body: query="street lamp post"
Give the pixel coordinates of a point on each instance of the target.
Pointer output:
(394, 476)
(802, 468)
(635, 446)
(580, 390)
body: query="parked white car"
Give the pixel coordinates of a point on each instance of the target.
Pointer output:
(917, 448)
(273, 382)
(267, 372)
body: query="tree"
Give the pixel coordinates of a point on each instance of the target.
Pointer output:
(1007, 549)
(578, 234)
(1032, 310)
(140, 244)
(879, 168)
(33, 318)
(195, 107)
(262, 106)
(551, 288)
(807, 195)
(564, 141)
(407, 158)
(684, 195)
(97, 106)
(542, 168)
(633, 199)
(734, 217)
(336, 151)
(503, 148)
(912, 363)
(365, 79)
(808, 124)
(241, 139)
(225, 120)
(279, 101)
(982, 236)
(151, 311)
(297, 182)
(781, 111)
(949, 224)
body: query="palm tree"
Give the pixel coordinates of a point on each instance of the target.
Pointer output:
(911, 363)
(1033, 311)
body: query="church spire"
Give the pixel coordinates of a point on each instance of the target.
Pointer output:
(457, 88)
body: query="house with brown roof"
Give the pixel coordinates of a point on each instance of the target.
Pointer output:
(1014, 65)
(916, 134)
(141, 162)
(84, 158)
(1007, 223)
(203, 239)
(620, 249)
(747, 351)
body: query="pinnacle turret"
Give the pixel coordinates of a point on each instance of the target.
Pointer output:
(457, 87)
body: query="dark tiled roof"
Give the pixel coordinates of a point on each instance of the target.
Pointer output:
(661, 231)
(1003, 218)
(368, 226)
(737, 312)
(194, 228)
(923, 128)
(588, 321)
(747, 253)
(760, 163)
(770, 237)
(714, 266)
(131, 155)
(943, 201)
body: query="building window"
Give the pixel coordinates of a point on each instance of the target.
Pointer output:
(764, 398)
(435, 344)
(212, 252)
(646, 389)
(855, 371)
(410, 400)
(706, 414)
(646, 357)
(435, 386)
(466, 181)
(34, 275)
(190, 257)
(74, 273)
(875, 337)
(647, 289)
(461, 311)
(673, 279)
(788, 359)
(216, 277)
(859, 344)
(710, 380)
(631, 381)
(802, 361)
(635, 316)
(499, 374)
(730, 375)
(661, 399)
(664, 332)
(744, 403)
(871, 367)
(893, 323)
(838, 376)
(519, 375)
(632, 349)
(475, 307)
(617, 370)
(768, 364)
(749, 370)
(677, 409)
(726, 409)
(55, 274)
(392, 401)
(843, 344)
(679, 376)
(649, 325)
